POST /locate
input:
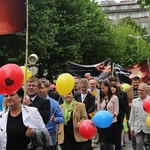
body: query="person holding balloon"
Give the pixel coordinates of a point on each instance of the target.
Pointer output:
(88, 99)
(138, 115)
(69, 137)
(110, 103)
(18, 123)
(56, 115)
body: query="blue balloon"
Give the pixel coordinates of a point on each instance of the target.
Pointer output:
(1, 101)
(103, 119)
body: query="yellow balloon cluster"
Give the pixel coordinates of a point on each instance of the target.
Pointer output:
(29, 73)
(64, 83)
(148, 120)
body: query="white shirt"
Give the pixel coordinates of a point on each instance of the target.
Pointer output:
(138, 116)
(32, 99)
(83, 96)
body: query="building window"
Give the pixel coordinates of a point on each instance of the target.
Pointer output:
(144, 24)
(136, 6)
(124, 7)
(134, 15)
(113, 8)
(144, 14)
(112, 17)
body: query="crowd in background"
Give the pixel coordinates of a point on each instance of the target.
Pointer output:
(43, 119)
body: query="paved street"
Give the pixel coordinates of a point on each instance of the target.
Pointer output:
(127, 147)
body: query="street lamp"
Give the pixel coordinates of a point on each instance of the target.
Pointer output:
(137, 39)
(32, 60)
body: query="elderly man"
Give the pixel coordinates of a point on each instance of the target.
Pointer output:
(137, 120)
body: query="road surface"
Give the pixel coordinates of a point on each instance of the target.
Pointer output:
(127, 147)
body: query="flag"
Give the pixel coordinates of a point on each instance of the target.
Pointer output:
(141, 70)
(99, 71)
(121, 74)
(12, 16)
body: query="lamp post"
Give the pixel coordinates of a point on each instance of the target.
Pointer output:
(33, 66)
(137, 39)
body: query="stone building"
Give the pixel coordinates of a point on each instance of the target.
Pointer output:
(119, 10)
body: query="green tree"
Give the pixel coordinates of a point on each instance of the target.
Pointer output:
(130, 50)
(61, 31)
(144, 2)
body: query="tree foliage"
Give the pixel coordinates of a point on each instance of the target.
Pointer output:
(61, 31)
(144, 2)
(76, 31)
(129, 46)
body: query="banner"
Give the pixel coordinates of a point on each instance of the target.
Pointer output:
(141, 70)
(98, 71)
(12, 16)
(121, 74)
(103, 70)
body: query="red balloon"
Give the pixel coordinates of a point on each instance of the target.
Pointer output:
(146, 105)
(11, 78)
(87, 129)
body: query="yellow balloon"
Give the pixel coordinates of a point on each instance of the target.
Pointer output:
(125, 86)
(29, 73)
(148, 120)
(64, 83)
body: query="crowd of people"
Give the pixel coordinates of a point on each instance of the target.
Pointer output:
(39, 118)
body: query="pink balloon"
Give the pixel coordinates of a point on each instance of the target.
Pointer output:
(11, 78)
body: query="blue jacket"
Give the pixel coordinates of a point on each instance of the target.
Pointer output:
(59, 117)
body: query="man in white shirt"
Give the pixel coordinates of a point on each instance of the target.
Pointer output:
(137, 120)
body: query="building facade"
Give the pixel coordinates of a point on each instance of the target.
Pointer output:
(123, 9)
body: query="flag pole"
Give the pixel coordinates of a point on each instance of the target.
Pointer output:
(27, 43)
(112, 70)
(148, 66)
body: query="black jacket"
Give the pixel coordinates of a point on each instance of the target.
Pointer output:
(43, 106)
(89, 102)
(125, 99)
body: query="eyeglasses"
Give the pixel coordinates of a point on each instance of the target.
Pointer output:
(32, 85)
